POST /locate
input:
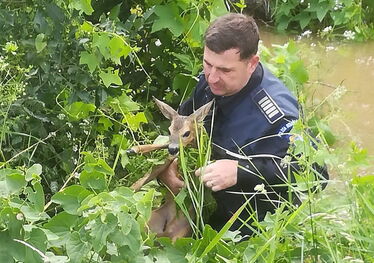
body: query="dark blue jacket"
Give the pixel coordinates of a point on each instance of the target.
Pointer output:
(249, 126)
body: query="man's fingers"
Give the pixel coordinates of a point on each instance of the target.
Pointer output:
(207, 177)
(202, 170)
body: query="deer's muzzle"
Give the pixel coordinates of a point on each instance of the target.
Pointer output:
(173, 148)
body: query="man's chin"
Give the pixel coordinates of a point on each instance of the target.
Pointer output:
(216, 91)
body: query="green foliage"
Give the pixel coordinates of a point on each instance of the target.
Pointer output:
(345, 19)
(76, 79)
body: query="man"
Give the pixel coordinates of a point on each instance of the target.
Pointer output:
(252, 111)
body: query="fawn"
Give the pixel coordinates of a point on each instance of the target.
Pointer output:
(166, 221)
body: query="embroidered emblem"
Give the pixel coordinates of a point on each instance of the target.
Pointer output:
(268, 107)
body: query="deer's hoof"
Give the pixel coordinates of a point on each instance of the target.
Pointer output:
(130, 151)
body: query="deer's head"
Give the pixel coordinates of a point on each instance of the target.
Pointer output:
(182, 128)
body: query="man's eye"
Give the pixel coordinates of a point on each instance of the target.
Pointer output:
(186, 134)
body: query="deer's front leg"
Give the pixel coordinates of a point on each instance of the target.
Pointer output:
(152, 175)
(145, 148)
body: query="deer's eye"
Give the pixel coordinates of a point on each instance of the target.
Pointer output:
(186, 134)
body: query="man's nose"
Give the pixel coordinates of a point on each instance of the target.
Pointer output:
(213, 76)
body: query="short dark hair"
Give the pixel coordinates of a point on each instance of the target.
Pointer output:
(233, 31)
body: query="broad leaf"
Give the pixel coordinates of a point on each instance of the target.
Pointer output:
(39, 43)
(94, 180)
(134, 120)
(36, 196)
(62, 225)
(118, 48)
(70, 198)
(168, 18)
(110, 77)
(123, 104)
(91, 60)
(77, 249)
(80, 110)
(101, 230)
(82, 6)
(34, 172)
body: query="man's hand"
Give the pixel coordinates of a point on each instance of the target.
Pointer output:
(170, 178)
(219, 175)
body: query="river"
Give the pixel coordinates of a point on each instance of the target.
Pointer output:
(349, 64)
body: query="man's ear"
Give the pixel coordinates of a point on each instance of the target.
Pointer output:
(165, 109)
(253, 62)
(201, 112)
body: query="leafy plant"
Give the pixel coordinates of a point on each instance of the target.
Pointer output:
(344, 18)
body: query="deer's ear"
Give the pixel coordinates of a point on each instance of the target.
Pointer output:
(165, 109)
(201, 112)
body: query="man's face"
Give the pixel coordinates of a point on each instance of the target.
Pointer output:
(226, 73)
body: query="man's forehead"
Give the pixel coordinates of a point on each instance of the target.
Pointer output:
(227, 59)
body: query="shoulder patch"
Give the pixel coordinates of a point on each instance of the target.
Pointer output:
(268, 107)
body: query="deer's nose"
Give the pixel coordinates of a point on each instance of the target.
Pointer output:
(173, 149)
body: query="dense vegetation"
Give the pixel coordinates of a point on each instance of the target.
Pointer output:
(76, 80)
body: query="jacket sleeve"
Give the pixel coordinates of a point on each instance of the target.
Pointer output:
(265, 170)
(275, 169)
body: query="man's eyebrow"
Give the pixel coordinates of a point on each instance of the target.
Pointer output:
(220, 68)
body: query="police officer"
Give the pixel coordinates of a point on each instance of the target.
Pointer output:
(253, 112)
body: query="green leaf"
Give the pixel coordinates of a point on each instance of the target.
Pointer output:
(101, 41)
(133, 239)
(304, 19)
(218, 8)
(36, 197)
(114, 13)
(70, 198)
(161, 140)
(82, 6)
(99, 166)
(322, 10)
(168, 18)
(110, 77)
(4, 173)
(123, 104)
(38, 240)
(79, 110)
(107, 124)
(39, 44)
(94, 180)
(118, 48)
(87, 27)
(144, 205)
(10, 249)
(101, 230)
(90, 60)
(62, 225)
(134, 120)
(8, 219)
(77, 249)
(299, 72)
(34, 172)
(367, 180)
(15, 182)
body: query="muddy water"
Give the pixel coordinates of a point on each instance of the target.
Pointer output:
(348, 64)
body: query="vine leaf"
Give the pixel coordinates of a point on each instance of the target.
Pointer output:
(77, 248)
(110, 77)
(70, 198)
(118, 48)
(79, 110)
(168, 17)
(39, 43)
(82, 6)
(90, 60)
